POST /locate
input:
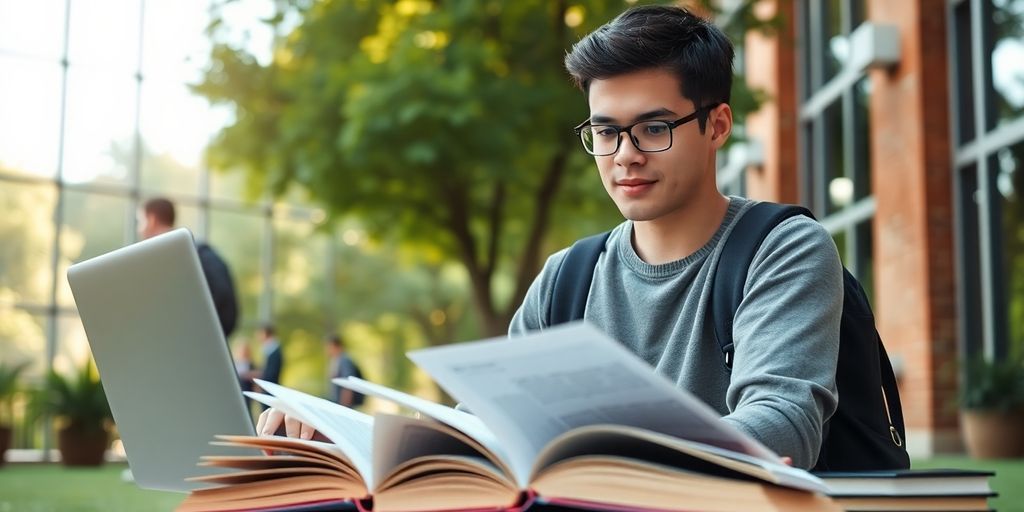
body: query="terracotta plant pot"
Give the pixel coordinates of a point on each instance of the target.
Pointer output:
(82, 448)
(5, 443)
(993, 434)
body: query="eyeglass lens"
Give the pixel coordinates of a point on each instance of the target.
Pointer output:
(647, 136)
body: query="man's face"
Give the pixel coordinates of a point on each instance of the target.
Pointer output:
(149, 225)
(652, 186)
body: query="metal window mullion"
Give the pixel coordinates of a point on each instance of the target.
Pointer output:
(815, 44)
(986, 144)
(135, 173)
(856, 213)
(985, 248)
(58, 220)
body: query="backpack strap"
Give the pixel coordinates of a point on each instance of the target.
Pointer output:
(737, 254)
(572, 279)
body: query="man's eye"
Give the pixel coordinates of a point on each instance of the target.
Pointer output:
(656, 129)
(605, 131)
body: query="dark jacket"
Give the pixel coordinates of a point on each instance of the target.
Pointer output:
(222, 287)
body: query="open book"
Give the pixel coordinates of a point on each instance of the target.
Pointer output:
(565, 416)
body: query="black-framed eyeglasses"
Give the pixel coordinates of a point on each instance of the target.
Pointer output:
(647, 136)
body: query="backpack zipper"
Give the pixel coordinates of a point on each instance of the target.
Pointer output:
(892, 429)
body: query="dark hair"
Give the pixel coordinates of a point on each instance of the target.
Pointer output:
(335, 340)
(162, 209)
(268, 329)
(655, 36)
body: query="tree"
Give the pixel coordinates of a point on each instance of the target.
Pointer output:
(444, 121)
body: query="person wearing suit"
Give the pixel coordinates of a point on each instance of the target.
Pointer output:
(273, 359)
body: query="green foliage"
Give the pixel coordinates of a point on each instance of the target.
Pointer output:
(993, 385)
(9, 374)
(445, 123)
(77, 400)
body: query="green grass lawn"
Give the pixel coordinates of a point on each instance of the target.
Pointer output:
(1008, 482)
(54, 488)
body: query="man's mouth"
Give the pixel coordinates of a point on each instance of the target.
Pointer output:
(635, 186)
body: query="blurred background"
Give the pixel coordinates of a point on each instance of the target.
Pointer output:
(397, 171)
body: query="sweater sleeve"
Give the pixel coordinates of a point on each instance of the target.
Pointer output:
(786, 333)
(533, 312)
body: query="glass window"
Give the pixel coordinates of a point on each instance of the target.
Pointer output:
(964, 63)
(1007, 56)
(301, 299)
(92, 224)
(30, 99)
(238, 238)
(105, 34)
(32, 28)
(836, 44)
(176, 126)
(840, 186)
(865, 270)
(230, 185)
(1009, 183)
(174, 42)
(969, 258)
(72, 349)
(23, 338)
(862, 139)
(99, 141)
(26, 251)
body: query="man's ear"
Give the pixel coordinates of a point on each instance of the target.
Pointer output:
(720, 124)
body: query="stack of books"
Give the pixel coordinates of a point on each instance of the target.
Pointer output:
(922, 489)
(563, 419)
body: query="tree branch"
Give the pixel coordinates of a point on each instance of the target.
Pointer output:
(496, 220)
(530, 262)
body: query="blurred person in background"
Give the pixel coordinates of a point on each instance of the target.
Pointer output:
(158, 217)
(340, 366)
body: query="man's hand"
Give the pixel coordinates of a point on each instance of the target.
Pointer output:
(270, 421)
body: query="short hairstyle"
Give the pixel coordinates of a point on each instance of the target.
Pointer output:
(653, 37)
(335, 340)
(161, 208)
(268, 329)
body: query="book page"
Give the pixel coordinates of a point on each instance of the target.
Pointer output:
(531, 389)
(399, 439)
(459, 420)
(351, 431)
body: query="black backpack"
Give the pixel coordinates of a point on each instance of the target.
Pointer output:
(866, 432)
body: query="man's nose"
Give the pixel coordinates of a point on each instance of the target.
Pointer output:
(628, 152)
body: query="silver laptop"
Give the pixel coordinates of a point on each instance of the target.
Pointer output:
(165, 366)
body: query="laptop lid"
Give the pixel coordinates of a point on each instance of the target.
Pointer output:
(166, 368)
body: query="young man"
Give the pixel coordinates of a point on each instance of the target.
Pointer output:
(158, 217)
(657, 80)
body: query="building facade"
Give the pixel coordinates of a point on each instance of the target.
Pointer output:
(901, 125)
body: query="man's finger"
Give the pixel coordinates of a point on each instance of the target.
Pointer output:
(307, 431)
(271, 423)
(292, 426)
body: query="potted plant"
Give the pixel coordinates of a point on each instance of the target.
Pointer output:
(992, 408)
(83, 419)
(8, 389)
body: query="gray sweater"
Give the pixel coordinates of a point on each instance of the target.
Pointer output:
(786, 333)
